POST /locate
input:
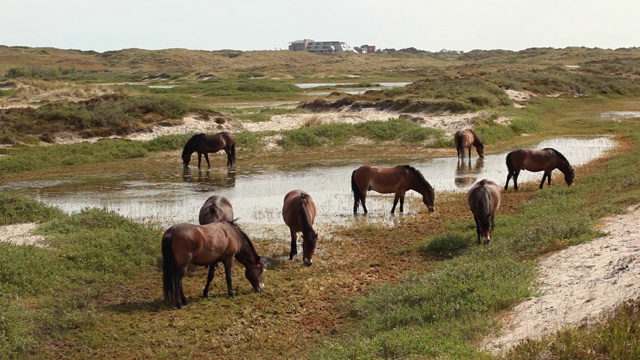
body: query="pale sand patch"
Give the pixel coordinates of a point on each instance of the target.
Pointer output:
(579, 284)
(20, 234)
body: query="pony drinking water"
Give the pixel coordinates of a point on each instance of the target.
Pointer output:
(546, 160)
(484, 201)
(299, 213)
(464, 139)
(204, 144)
(398, 180)
(206, 245)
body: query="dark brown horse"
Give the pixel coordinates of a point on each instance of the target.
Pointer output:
(484, 201)
(299, 213)
(206, 245)
(464, 139)
(546, 160)
(215, 208)
(204, 144)
(397, 180)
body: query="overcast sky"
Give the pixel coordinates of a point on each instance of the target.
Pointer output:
(103, 25)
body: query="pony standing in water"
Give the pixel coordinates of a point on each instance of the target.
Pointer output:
(464, 139)
(397, 180)
(299, 213)
(546, 160)
(204, 144)
(206, 245)
(484, 201)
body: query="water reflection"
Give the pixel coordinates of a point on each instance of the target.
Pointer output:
(466, 173)
(214, 178)
(166, 195)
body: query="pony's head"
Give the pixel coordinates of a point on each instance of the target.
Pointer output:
(309, 242)
(484, 225)
(190, 147)
(429, 198)
(255, 274)
(569, 176)
(480, 149)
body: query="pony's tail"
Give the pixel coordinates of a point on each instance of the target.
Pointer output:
(459, 143)
(509, 163)
(357, 195)
(169, 271)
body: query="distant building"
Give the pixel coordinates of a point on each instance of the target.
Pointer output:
(366, 49)
(324, 47)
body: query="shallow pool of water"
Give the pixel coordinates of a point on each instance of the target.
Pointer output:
(166, 195)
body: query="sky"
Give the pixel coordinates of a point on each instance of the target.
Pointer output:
(464, 25)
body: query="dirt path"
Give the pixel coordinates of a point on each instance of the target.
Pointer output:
(579, 284)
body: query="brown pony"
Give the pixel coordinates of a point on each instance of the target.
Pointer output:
(215, 208)
(464, 139)
(204, 144)
(299, 213)
(484, 201)
(206, 245)
(398, 180)
(546, 160)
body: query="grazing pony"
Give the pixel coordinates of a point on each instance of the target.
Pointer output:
(464, 139)
(206, 245)
(398, 180)
(204, 144)
(546, 160)
(215, 208)
(299, 213)
(484, 201)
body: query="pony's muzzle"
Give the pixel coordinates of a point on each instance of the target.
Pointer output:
(307, 262)
(431, 208)
(259, 288)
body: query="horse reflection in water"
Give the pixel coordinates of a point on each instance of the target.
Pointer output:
(206, 245)
(547, 160)
(484, 200)
(466, 172)
(223, 179)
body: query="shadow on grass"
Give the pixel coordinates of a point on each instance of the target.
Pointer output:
(444, 247)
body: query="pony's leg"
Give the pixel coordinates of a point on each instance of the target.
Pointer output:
(182, 297)
(469, 152)
(544, 177)
(395, 202)
(212, 269)
(206, 157)
(515, 179)
(229, 163)
(227, 274)
(294, 245)
(477, 229)
(402, 203)
(355, 204)
(363, 200)
(199, 159)
(509, 175)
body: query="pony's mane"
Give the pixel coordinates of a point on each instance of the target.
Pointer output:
(243, 234)
(476, 139)
(191, 142)
(304, 198)
(559, 154)
(417, 173)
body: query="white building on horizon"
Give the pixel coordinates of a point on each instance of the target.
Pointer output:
(324, 47)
